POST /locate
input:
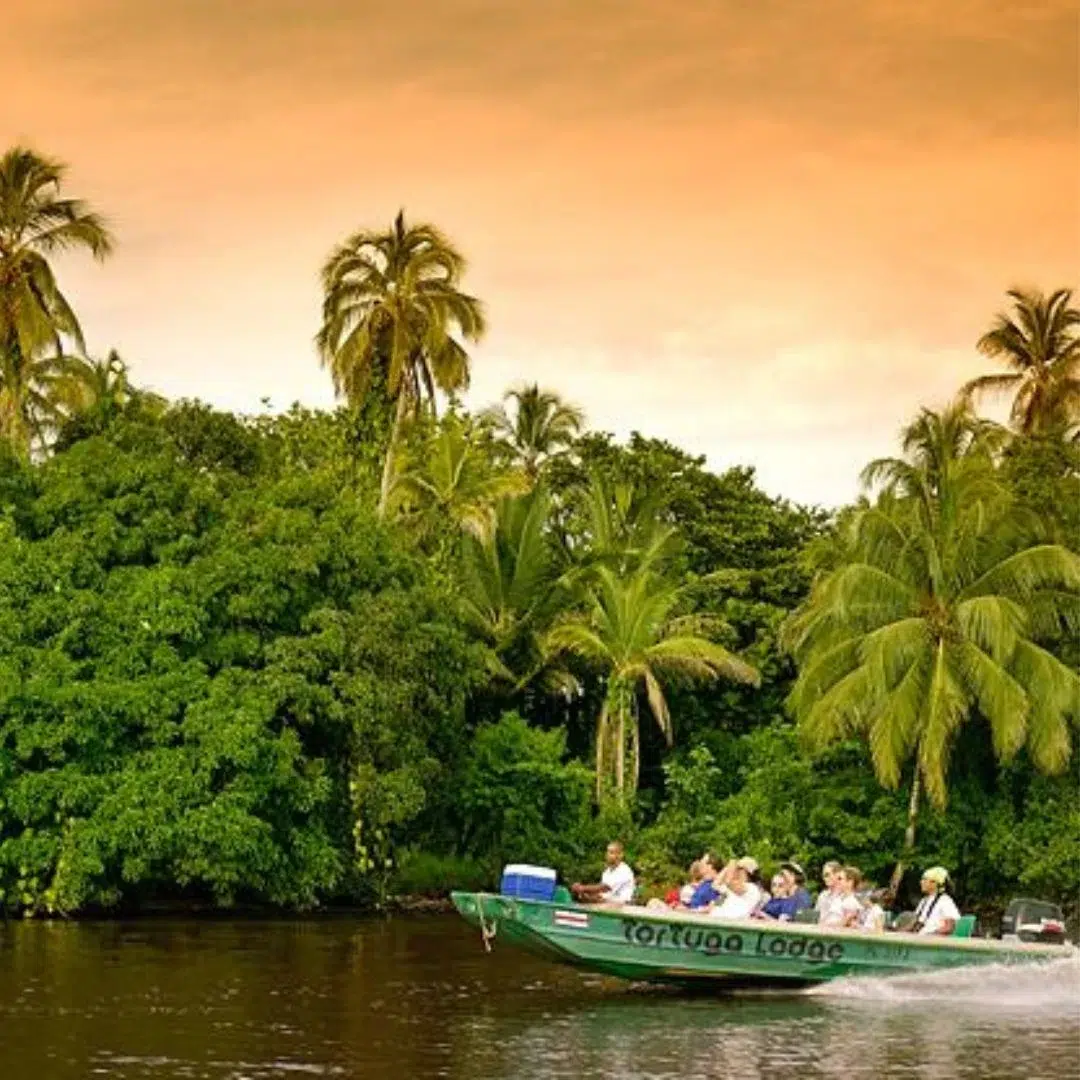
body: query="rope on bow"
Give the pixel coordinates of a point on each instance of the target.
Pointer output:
(487, 934)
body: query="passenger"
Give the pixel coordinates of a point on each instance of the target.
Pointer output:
(784, 905)
(707, 892)
(742, 897)
(686, 893)
(797, 889)
(828, 901)
(872, 917)
(845, 909)
(616, 884)
(936, 913)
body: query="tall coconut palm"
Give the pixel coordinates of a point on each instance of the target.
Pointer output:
(35, 317)
(540, 427)
(629, 630)
(1040, 343)
(934, 614)
(452, 473)
(393, 310)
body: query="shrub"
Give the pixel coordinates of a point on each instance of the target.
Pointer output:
(427, 875)
(521, 800)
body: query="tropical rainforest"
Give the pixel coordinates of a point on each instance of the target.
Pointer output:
(335, 657)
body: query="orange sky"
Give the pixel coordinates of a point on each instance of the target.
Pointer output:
(765, 229)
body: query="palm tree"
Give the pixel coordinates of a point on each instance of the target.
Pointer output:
(511, 586)
(106, 385)
(36, 396)
(393, 311)
(933, 613)
(540, 427)
(99, 391)
(1040, 343)
(35, 317)
(629, 630)
(613, 524)
(451, 473)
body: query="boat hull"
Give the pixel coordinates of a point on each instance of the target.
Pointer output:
(642, 944)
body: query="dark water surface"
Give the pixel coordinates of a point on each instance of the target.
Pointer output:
(417, 998)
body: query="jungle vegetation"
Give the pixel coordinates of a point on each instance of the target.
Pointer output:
(321, 657)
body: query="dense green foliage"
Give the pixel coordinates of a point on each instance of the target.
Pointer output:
(327, 656)
(215, 668)
(223, 679)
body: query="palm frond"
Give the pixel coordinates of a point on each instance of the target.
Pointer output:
(1053, 692)
(1001, 699)
(698, 658)
(944, 707)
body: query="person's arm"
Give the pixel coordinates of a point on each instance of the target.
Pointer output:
(588, 894)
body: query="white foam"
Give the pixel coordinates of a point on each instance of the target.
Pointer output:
(1050, 986)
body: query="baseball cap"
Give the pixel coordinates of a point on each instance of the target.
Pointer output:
(750, 865)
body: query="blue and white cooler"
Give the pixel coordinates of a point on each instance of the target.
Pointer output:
(528, 882)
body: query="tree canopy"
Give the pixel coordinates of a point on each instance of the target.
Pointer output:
(327, 656)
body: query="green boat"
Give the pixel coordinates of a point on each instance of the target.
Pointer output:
(678, 947)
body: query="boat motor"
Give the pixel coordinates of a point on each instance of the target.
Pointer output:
(1033, 921)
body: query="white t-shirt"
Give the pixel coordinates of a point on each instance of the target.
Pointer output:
(943, 909)
(620, 882)
(841, 910)
(734, 906)
(872, 918)
(829, 908)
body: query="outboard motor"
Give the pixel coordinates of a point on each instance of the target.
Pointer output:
(1033, 921)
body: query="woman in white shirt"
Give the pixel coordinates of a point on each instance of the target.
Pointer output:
(828, 902)
(846, 908)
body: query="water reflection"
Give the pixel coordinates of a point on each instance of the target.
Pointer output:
(418, 998)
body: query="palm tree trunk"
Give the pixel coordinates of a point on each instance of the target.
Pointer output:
(620, 748)
(14, 425)
(601, 758)
(391, 450)
(909, 833)
(634, 738)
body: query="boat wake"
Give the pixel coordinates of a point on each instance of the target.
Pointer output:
(1053, 985)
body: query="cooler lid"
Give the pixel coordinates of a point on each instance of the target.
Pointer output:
(524, 870)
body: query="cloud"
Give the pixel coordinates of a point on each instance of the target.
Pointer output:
(905, 67)
(767, 231)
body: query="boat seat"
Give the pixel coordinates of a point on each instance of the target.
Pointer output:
(965, 926)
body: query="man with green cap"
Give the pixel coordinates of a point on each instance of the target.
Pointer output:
(936, 913)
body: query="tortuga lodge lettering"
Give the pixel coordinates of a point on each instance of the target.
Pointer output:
(716, 942)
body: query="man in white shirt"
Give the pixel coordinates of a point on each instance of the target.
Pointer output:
(936, 913)
(616, 882)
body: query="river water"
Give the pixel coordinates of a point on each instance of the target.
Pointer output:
(414, 998)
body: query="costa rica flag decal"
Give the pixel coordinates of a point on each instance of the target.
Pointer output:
(577, 920)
